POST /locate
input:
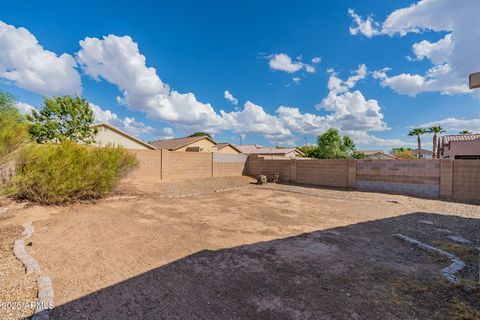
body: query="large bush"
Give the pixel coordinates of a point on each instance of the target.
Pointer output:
(60, 173)
(13, 127)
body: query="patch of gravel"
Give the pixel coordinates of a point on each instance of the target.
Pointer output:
(15, 285)
(415, 204)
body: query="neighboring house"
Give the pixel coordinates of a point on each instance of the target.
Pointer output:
(376, 154)
(110, 135)
(270, 153)
(426, 154)
(459, 146)
(195, 144)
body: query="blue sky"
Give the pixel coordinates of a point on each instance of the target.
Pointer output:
(161, 70)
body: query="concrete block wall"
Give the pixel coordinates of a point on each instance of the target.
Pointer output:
(157, 165)
(327, 173)
(185, 165)
(466, 180)
(258, 165)
(149, 165)
(226, 165)
(409, 177)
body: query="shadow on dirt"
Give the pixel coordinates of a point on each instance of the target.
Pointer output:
(354, 272)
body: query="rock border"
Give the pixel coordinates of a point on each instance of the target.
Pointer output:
(45, 289)
(449, 271)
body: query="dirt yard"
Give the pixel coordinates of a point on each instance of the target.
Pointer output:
(273, 252)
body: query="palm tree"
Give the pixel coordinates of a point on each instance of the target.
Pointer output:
(465, 132)
(435, 130)
(418, 132)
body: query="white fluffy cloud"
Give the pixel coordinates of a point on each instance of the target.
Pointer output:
(455, 125)
(453, 56)
(28, 65)
(283, 62)
(25, 107)
(119, 61)
(227, 95)
(316, 60)
(127, 124)
(167, 133)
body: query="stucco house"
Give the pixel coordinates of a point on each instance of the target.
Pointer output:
(426, 154)
(270, 152)
(110, 135)
(195, 144)
(459, 146)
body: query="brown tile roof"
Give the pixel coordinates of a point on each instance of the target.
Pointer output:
(174, 144)
(459, 137)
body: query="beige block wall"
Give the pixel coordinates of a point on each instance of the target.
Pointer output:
(228, 169)
(466, 180)
(327, 173)
(185, 165)
(411, 177)
(149, 165)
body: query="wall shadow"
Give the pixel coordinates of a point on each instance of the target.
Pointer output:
(354, 272)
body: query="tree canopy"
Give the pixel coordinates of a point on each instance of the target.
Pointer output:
(331, 145)
(199, 134)
(62, 119)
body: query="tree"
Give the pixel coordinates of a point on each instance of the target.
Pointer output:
(199, 134)
(332, 146)
(465, 132)
(418, 132)
(62, 119)
(402, 153)
(435, 130)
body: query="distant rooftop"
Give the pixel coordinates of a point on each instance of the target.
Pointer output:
(173, 144)
(459, 137)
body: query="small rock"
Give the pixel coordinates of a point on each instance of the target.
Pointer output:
(262, 179)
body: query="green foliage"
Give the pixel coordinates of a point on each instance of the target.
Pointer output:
(358, 155)
(60, 173)
(402, 153)
(63, 119)
(199, 134)
(13, 127)
(465, 132)
(332, 146)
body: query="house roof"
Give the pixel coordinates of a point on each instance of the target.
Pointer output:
(123, 133)
(257, 149)
(245, 148)
(376, 152)
(220, 146)
(174, 144)
(367, 152)
(459, 137)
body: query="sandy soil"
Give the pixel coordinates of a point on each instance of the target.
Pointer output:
(16, 288)
(274, 252)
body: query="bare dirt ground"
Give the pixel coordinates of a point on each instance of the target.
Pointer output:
(274, 252)
(15, 286)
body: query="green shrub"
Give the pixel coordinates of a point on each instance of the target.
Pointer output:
(60, 173)
(13, 127)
